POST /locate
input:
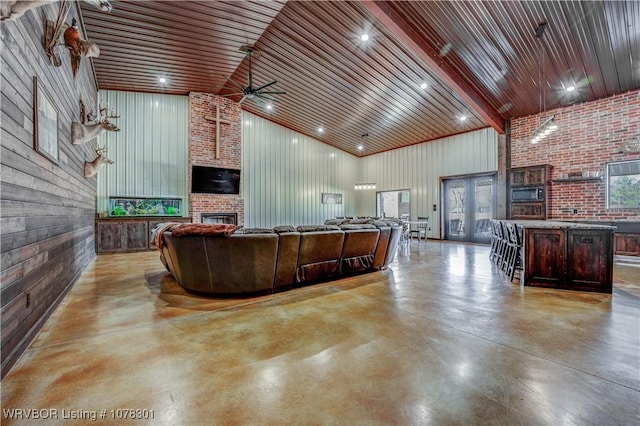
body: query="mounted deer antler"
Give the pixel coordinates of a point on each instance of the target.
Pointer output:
(91, 168)
(13, 9)
(82, 133)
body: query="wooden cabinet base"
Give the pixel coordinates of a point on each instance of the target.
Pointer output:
(128, 235)
(568, 256)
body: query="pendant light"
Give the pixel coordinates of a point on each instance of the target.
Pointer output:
(549, 125)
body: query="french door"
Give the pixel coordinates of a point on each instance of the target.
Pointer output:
(469, 206)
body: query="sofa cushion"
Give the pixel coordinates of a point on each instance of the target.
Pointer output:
(335, 221)
(358, 249)
(315, 228)
(203, 230)
(254, 231)
(319, 255)
(363, 226)
(284, 228)
(359, 221)
(287, 261)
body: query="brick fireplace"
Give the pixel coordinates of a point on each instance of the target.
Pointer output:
(203, 119)
(225, 218)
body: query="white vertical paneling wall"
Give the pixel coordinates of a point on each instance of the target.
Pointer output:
(420, 167)
(284, 174)
(150, 151)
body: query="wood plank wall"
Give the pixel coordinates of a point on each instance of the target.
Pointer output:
(48, 210)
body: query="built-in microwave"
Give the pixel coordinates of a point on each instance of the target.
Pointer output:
(528, 194)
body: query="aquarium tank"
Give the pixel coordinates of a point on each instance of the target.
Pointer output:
(123, 206)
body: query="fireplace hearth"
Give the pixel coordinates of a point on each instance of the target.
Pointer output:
(225, 218)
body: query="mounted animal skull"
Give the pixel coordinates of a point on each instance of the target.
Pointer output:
(14, 9)
(91, 168)
(82, 133)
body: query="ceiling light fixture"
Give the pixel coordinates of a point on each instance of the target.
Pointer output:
(269, 107)
(462, 118)
(362, 144)
(364, 37)
(570, 88)
(364, 186)
(423, 86)
(549, 125)
(162, 80)
(544, 130)
(320, 130)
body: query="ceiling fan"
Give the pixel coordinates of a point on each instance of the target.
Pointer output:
(256, 94)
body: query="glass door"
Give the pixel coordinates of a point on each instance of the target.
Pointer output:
(393, 203)
(469, 207)
(455, 201)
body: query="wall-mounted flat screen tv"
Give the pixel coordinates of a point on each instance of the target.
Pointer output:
(215, 180)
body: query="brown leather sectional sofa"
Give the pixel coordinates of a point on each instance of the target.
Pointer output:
(270, 260)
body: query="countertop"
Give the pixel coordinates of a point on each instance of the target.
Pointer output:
(556, 224)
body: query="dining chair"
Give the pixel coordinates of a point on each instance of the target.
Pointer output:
(421, 228)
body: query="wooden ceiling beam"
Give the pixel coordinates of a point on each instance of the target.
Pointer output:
(383, 11)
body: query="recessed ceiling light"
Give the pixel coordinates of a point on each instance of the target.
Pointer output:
(162, 80)
(462, 118)
(269, 107)
(320, 130)
(360, 147)
(570, 88)
(364, 37)
(423, 86)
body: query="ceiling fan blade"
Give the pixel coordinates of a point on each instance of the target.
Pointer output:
(232, 94)
(275, 92)
(268, 98)
(242, 100)
(241, 87)
(265, 85)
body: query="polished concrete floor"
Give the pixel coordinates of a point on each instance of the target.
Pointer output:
(439, 338)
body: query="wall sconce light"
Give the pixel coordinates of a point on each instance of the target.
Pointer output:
(546, 128)
(364, 186)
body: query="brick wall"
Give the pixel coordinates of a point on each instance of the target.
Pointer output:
(202, 150)
(590, 135)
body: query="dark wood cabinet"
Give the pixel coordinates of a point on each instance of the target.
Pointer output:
(534, 180)
(589, 260)
(627, 244)
(135, 233)
(534, 175)
(126, 235)
(568, 256)
(545, 257)
(528, 211)
(109, 236)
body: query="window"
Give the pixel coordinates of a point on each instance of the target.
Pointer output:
(393, 203)
(623, 185)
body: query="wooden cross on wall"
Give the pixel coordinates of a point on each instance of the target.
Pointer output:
(218, 121)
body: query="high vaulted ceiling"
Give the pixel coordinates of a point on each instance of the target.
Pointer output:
(479, 59)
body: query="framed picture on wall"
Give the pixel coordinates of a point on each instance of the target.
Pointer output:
(45, 124)
(329, 198)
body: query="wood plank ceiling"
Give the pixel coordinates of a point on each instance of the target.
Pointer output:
(478, 59)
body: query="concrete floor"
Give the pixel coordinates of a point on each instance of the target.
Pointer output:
(439, 338)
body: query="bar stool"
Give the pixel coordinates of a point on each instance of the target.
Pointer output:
(513, 259)
(494, 240)
(501, 244)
